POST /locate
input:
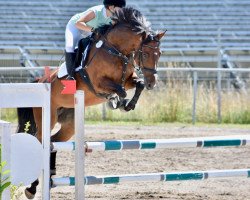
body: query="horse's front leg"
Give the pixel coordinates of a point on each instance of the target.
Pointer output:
(118, 92)
(138, 83)
(128, 104)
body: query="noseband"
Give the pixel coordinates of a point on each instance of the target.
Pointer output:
(141, 65)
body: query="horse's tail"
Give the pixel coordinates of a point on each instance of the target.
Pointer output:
(26, 121)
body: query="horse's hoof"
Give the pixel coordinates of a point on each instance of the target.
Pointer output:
(28, 194)
(129, 108)
(127, 105)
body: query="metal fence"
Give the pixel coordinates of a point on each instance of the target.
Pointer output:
(195, 72)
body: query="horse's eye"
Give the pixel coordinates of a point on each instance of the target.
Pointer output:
(144, 55)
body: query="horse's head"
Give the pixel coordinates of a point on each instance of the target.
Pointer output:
(137, 36)
(148, 56)
(131, 39)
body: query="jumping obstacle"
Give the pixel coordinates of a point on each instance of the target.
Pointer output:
(154, 177)
(116, 145)
(38, 95)
(22, 96)
(14, 95)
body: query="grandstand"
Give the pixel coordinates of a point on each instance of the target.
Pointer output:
(32, 31)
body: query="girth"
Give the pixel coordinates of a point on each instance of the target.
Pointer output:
(85, 77)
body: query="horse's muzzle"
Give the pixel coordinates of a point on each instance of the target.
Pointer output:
(150, 86)
(150, 82)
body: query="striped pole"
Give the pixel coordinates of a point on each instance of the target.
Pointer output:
(154, 177)
(111, 145)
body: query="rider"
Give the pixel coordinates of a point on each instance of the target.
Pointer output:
(83, 24)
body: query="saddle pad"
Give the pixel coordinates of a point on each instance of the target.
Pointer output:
(62, 71)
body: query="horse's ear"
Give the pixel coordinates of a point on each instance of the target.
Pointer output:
(144, 36)
(159, 35)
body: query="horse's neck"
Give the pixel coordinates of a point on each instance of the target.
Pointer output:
(124, 44)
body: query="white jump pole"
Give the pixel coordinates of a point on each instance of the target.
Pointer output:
(79, 145)
(32, 95)
(5, 129)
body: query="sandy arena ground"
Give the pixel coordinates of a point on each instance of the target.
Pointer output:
(150, 161)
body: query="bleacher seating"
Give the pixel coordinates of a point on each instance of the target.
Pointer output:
(197, 29)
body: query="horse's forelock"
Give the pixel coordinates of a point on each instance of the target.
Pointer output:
(129, 17)
(133, 18)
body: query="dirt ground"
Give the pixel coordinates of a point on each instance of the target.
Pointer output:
(166, 160)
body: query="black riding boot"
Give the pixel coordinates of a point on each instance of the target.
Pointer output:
(70, 64)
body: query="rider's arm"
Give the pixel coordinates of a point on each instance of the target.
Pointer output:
(81, 23)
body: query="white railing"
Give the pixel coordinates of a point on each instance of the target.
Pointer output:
(159, 69)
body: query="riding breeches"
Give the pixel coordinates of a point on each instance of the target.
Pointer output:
(72, 36)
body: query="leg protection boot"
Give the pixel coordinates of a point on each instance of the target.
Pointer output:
(53, 163)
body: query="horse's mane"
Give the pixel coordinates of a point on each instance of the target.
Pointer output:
(103, 28)
(131, 17)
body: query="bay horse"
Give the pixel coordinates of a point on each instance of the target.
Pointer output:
(116, 52)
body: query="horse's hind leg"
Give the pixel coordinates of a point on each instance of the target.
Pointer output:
(38, 119)
(65, 133)
(66, 119)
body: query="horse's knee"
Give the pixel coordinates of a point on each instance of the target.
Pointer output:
(140, 85)
(121, 92)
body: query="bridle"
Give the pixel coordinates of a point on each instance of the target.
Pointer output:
(131, 57)
(140, 57)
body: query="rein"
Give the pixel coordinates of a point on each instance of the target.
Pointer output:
(125, 59)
